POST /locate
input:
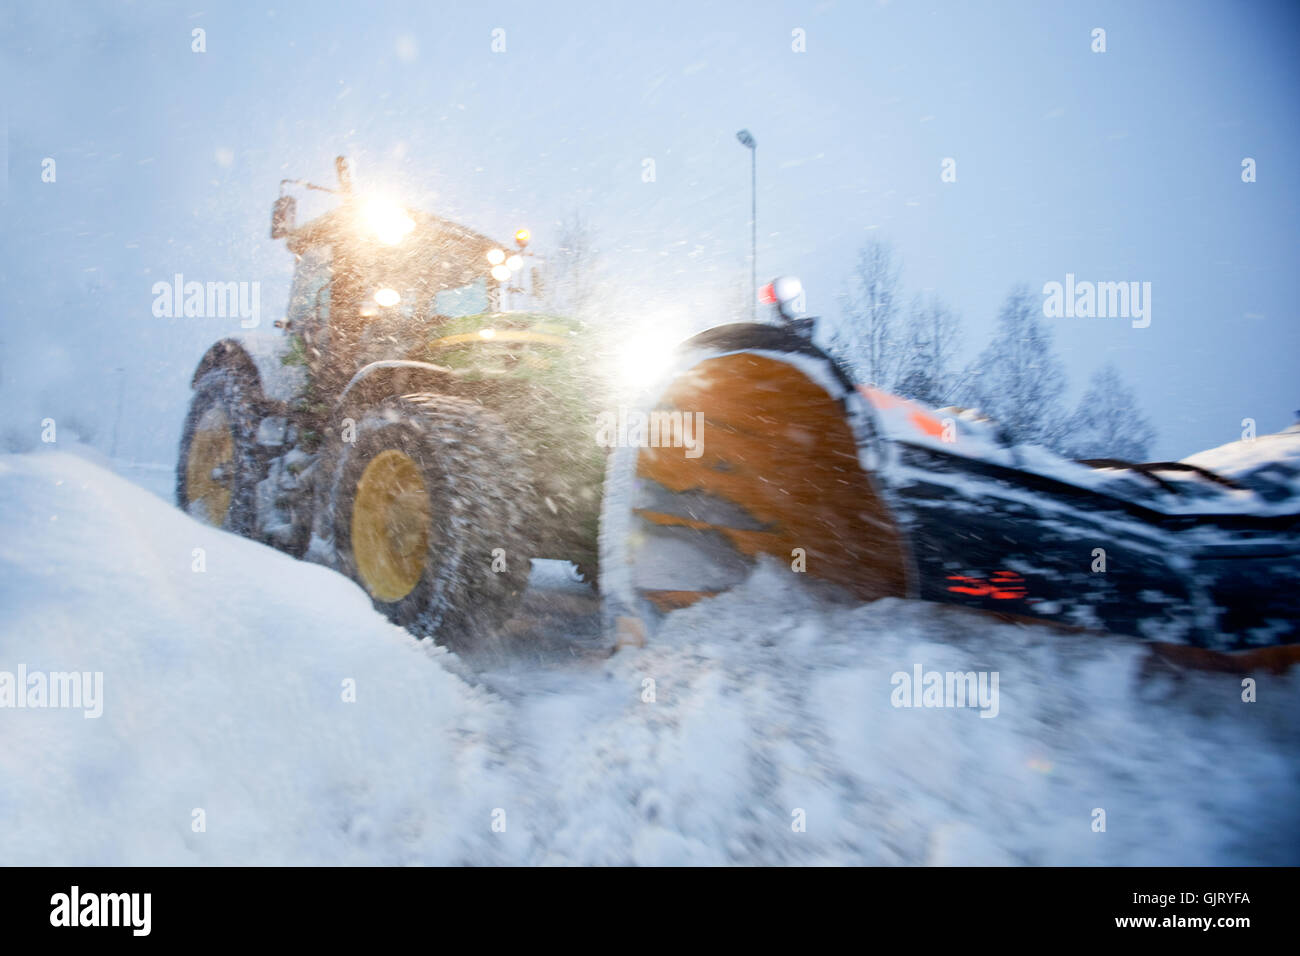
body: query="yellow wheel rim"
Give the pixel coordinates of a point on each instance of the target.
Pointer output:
(209, 469)
(390, 526)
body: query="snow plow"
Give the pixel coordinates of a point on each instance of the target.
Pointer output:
(883, 496)
(403, 429)
(409, 432)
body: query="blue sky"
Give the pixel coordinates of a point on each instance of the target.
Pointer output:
(1116, 166)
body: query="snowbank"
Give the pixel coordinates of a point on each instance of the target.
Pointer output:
(224, 691)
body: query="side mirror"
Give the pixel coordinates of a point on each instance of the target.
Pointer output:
(283, 215)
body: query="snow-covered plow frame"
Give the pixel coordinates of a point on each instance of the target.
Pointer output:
(883, 497)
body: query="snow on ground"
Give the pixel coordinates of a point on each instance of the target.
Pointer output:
(223, 691)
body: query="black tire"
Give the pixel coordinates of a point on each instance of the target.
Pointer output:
(232, 395)
(480, 499)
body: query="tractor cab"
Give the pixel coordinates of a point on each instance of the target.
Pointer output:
(372, 276)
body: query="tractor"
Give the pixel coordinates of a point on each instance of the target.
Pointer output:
(402, 427)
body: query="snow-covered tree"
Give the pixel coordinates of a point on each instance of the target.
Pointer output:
(1018, 379)
(867, 338)
(929, 343)
(1107, 422)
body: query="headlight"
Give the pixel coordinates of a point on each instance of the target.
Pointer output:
(501, 273)
(514, 263)
(387, 297)
(643, 359)
(389, 221)
(496, 256)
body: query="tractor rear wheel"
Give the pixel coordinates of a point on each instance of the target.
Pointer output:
(220, 462)
(432, 513)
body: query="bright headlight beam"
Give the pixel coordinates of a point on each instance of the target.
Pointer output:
(641, 361)
(389, 221)
(387, 297)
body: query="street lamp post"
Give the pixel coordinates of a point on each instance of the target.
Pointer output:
(747, 140)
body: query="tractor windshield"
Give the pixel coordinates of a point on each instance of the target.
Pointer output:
(464, 300)
(430, 280)
(423, 300)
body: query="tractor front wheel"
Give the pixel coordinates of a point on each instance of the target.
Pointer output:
(432, 515)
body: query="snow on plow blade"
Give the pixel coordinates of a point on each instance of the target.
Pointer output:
(882, 496)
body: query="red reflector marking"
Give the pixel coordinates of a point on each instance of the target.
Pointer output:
(880, 399)
(925, 423)
(919, 418)
(1002, 586)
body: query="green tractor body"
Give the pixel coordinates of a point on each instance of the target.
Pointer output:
(403, 428)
